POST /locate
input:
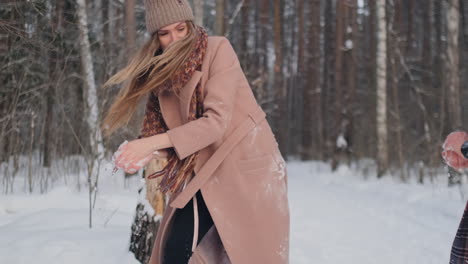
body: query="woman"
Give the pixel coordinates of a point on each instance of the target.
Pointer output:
(224, 164)
(455, 154)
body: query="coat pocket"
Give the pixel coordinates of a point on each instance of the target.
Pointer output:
(263, 162)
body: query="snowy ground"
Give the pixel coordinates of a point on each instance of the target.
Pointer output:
(335, 218)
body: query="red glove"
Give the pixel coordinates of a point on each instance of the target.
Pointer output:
(452, 150)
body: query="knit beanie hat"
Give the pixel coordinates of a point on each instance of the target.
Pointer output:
(160, 13)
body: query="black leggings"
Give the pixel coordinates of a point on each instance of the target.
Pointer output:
(178, 247)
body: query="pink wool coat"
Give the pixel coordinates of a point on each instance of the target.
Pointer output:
(240, 170)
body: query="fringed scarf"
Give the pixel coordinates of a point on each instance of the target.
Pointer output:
(177, 171)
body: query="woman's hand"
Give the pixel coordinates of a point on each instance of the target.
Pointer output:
(132, 156)
(452, 150)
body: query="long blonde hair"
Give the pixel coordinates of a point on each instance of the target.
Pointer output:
(147, 70)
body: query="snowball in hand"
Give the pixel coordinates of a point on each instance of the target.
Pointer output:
(452, 147)
(119, 151)
(130, 166)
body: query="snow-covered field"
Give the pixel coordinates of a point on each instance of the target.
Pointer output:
(335, 218)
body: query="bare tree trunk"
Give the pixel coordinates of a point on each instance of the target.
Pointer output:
(352, 76)
(453, 78)
(106, 40)
(312, 134)
(48, 123)
(262, 90)
(50, 95)
(337, 132)
(305, 145)
(410, 24)
(92, 114)
(130, 26)
(373, 41)
(105, 27)
(382, 141)
(280, 91)
(16, 153)
(318, 68)
(439, 77)
(117, 30)
(31, 138)
(394, 31)
(220, 27)
(429, 85)
(244, 56)
(300, 43)
(292, 90)
(198, 11)
(328, 50)
(339, 46)
(54, 68)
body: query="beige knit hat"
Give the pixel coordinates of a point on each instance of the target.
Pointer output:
(160, 13)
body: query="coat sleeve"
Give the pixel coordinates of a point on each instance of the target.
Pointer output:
(225, 75)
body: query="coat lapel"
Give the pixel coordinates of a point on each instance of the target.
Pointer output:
(186, 94)
(170, 109)
(175, 110)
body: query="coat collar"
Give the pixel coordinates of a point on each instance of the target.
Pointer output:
(175, 109)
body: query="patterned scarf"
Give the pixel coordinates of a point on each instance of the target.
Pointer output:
(176, 171)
